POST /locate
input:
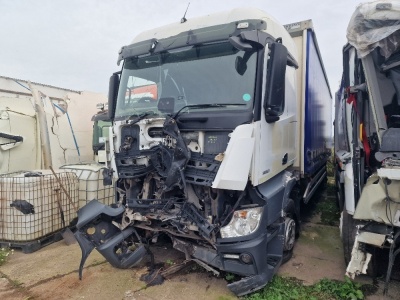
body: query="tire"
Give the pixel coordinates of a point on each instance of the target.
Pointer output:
(287, 255)
(290, 238)
(348, 233)
(290, 234)
(348, 228)
(339, 187)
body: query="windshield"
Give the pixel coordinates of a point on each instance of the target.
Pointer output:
(204, 74)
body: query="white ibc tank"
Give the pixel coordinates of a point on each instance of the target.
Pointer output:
(29, 207)
(91, 183)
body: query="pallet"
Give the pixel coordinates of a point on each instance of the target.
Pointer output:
(32, 246)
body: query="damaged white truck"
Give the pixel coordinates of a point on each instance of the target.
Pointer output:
(367, 140)
(221, 128)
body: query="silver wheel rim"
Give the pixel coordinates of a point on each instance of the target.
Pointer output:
(290, 234)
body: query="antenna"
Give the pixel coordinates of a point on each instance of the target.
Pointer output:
(183, 20)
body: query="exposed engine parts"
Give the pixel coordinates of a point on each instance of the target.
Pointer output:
(167, 191)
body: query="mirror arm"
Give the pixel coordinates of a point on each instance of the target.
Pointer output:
(291, 62)
(239, 44)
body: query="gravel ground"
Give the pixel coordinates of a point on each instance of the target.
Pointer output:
(51, 272)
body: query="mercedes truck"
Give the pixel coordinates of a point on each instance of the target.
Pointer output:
(221, 128)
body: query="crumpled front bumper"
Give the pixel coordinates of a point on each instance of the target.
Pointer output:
(94, 230)
(263, 258)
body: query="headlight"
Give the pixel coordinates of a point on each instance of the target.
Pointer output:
(243, 222)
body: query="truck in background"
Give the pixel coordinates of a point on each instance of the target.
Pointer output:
(101, 131)
(367, 140)
(235, 135)
(94, 179)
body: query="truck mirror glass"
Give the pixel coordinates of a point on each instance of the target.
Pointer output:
(240, 65)
(275, 90)
(112, 95)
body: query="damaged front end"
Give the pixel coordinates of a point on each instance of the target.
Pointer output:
(183, 147)
(379, 209)
(164, 186)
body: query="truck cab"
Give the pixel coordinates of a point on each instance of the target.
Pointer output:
(204, 145)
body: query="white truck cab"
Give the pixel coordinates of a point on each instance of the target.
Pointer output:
(215, 142)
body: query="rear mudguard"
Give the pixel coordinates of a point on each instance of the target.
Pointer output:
(95, 230)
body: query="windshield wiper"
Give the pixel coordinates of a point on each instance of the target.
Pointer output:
(136, 118)
(198, 106)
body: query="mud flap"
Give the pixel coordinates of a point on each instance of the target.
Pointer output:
(95, 230)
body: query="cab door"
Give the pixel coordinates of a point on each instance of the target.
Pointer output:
(275, 132)
(344, 114)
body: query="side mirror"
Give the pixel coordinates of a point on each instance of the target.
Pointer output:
(275, 89)
(112, 95)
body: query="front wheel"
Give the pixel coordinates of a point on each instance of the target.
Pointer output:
(339, 187)
(290, 237)
(348, 233)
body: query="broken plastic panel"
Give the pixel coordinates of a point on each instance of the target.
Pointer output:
(375, 24)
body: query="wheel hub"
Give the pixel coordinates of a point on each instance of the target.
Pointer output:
(290, 234)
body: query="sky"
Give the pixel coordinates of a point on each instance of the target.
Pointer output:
(74, 44)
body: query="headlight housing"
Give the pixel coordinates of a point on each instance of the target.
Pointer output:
(243, 222)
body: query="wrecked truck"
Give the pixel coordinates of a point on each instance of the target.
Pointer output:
(367, 140)
(221, 129)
